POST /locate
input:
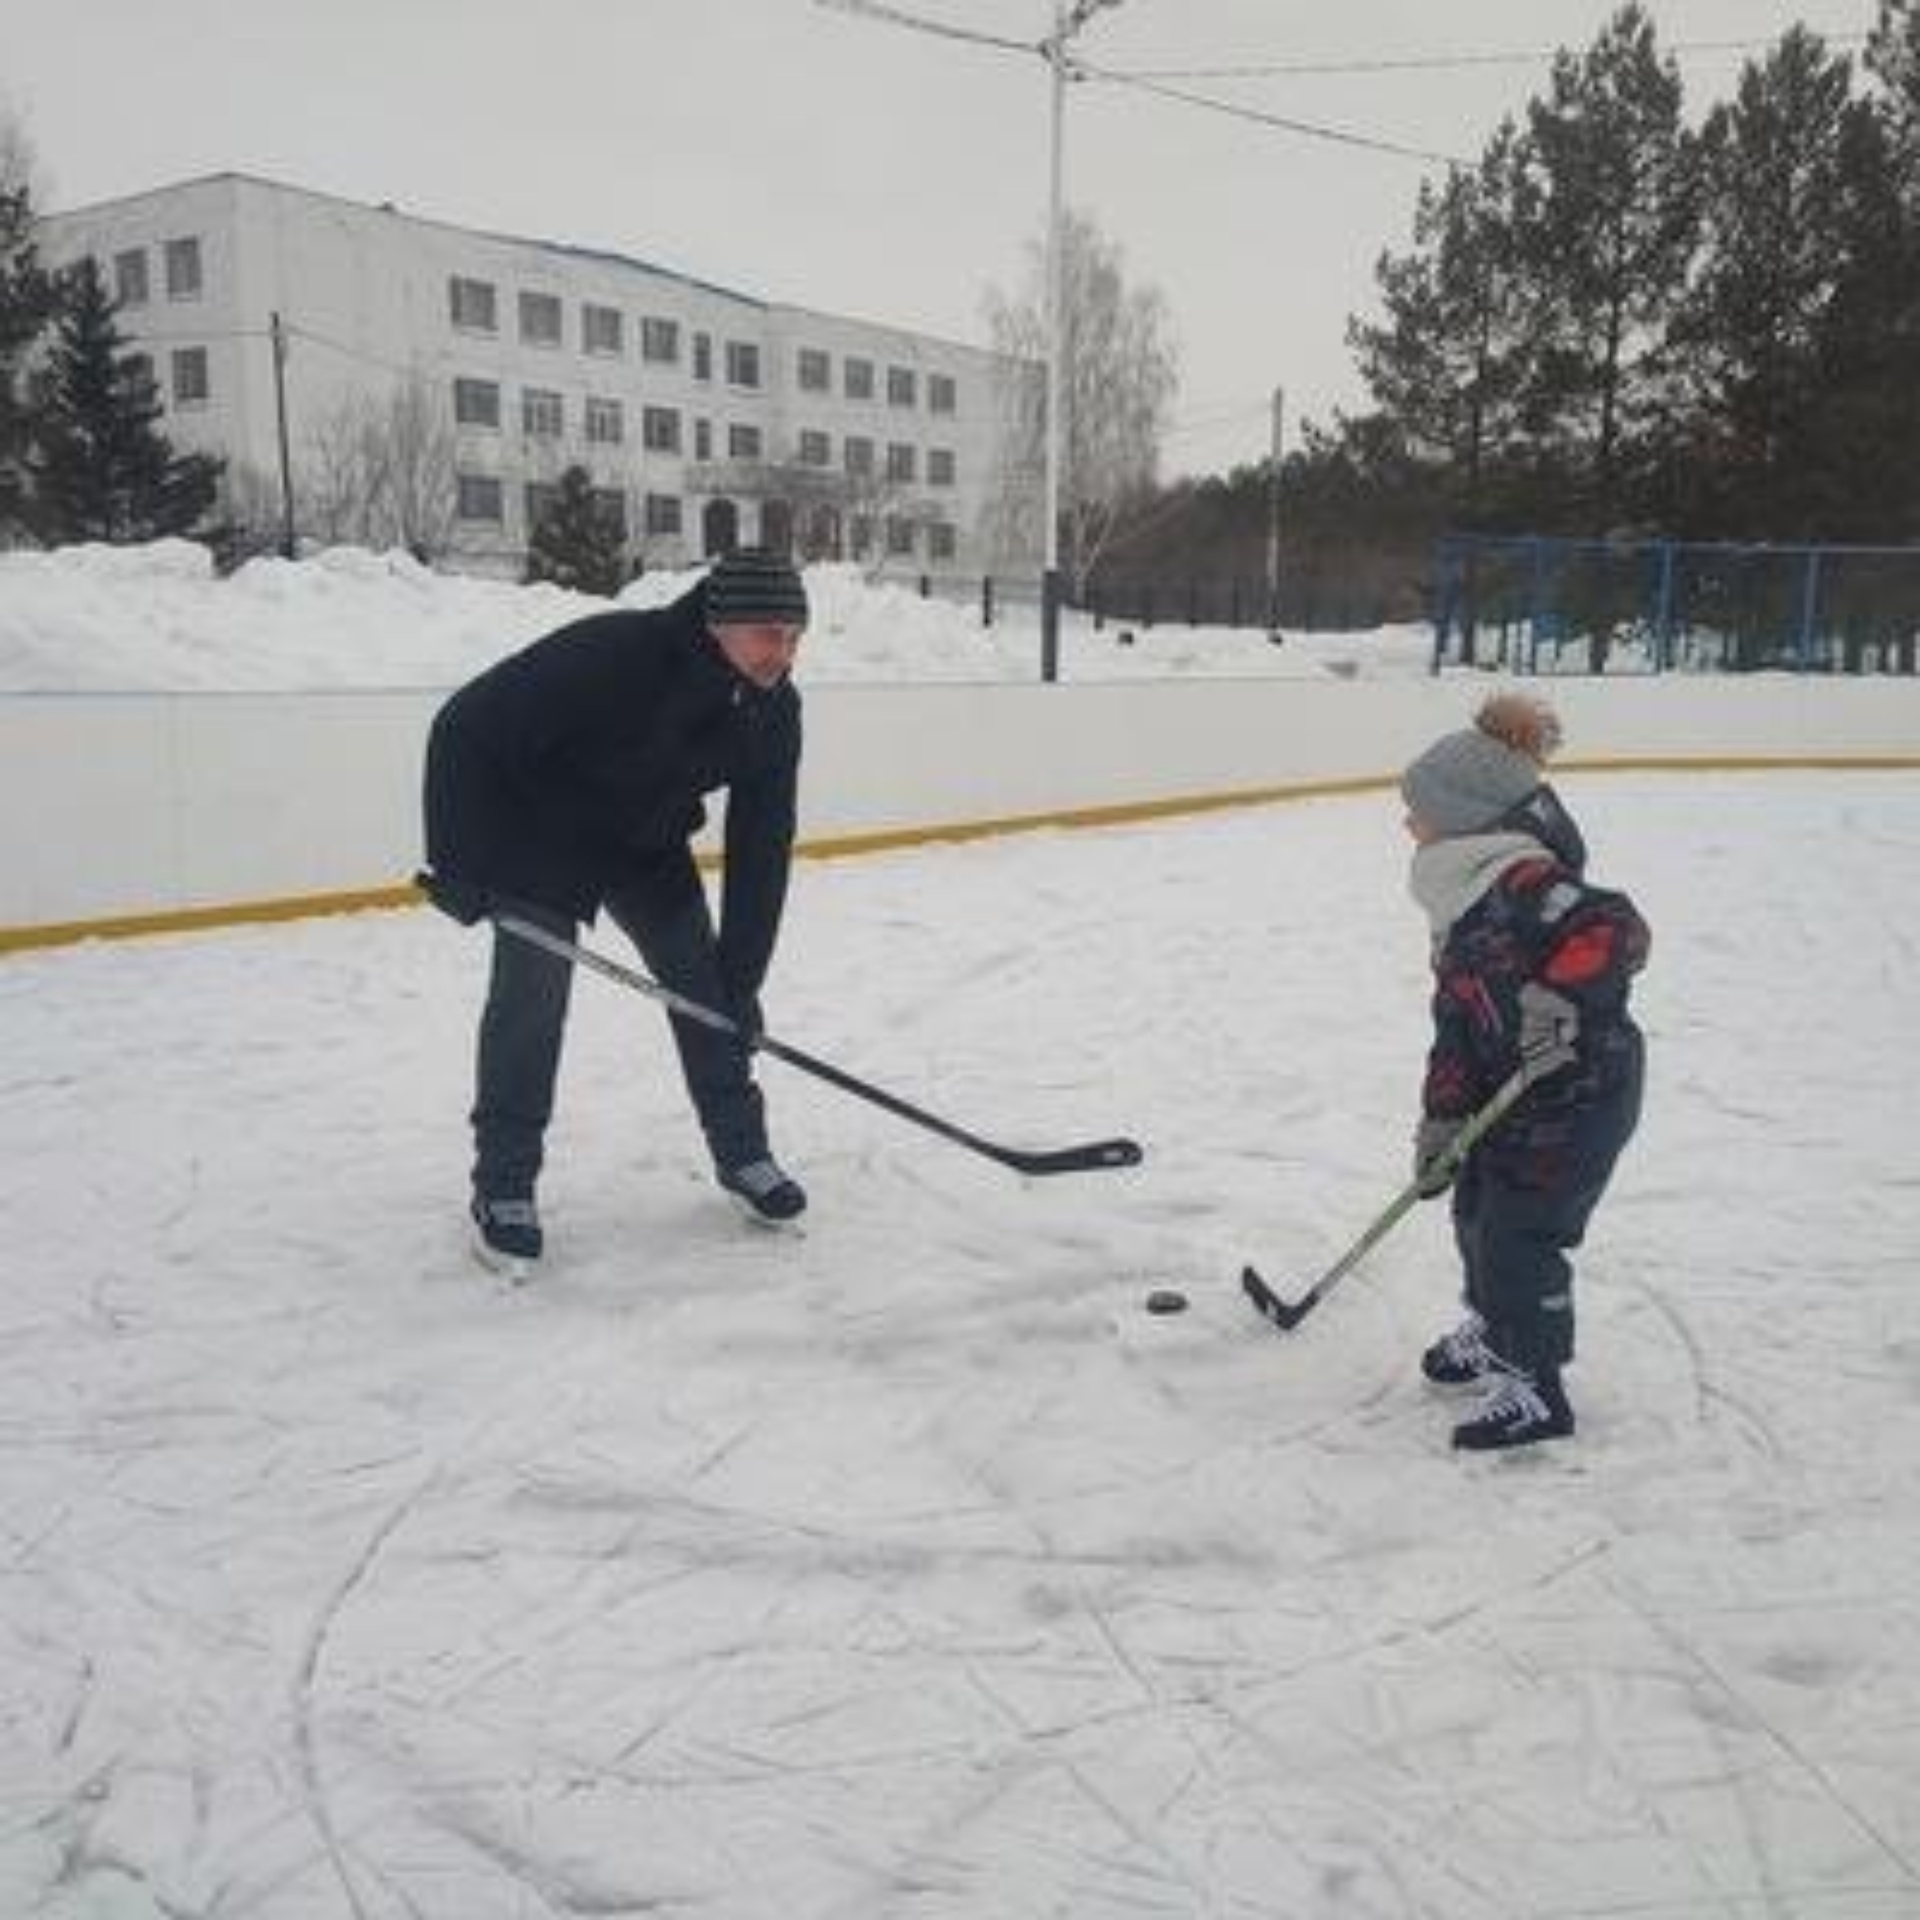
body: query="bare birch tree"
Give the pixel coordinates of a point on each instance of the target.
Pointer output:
(1119, 369)
(379, 472)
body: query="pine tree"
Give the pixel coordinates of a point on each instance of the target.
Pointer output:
(1894, 56)
(1774, 162)
(1870, 339)
(575, 542)
(102, 470)
(1450, 363)
(1611, 244)
(26, 301)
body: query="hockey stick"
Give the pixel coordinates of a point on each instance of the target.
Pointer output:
(1088, 1158)
(1286, 1316)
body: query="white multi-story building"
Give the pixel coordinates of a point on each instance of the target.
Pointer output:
(705, 417)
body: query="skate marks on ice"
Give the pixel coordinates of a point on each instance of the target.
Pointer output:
(910, 1567)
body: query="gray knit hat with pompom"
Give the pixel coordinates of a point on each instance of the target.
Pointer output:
(1467, 781)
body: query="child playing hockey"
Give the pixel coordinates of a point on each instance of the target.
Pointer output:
(1531, 972)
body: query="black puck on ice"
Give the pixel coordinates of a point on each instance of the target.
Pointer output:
(1166, 1300)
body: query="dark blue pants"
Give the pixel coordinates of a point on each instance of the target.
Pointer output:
(1522, 1203)
(524, 1024)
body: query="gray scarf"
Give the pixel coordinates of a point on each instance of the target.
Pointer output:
(1449, 875)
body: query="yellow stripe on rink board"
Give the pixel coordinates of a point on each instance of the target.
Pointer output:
(842, 846)
(129, 926)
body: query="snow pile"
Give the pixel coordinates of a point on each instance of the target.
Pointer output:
(158, 619)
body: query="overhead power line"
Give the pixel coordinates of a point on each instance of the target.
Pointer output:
(1435, 63)
(918, 23)
(940, 29)
(1311, 130)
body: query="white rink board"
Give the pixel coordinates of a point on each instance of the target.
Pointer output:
(137, 804)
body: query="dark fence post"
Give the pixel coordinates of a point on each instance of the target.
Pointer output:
(986, 599)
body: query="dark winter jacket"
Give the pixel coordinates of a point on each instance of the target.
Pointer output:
(1540, 920)
(1544, 817)
(578, 766)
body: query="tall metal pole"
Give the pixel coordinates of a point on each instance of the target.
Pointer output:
(289, 545)
(1050, 594)
(1273, 518)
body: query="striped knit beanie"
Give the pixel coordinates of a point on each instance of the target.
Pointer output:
(752, 587)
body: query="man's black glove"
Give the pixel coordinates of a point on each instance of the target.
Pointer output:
(459, 900)
(1432, 1173)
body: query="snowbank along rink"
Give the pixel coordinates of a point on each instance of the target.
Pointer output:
(908, 1567)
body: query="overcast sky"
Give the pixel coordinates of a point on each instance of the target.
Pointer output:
(793, 150)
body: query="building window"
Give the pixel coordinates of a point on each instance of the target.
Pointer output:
(602, 329)
(940, 541)
(860, 535)
(660, 341)
(900, 462)
(858, 375)
(703, 439)
(899, 534)
(902, 387)
(541, 496)
(663, 513)
(130, 285)
(542, 414)
(856, 453)
(816, 448)
(606, 422)
(743, 443)
(471, 303)
(816, 370)
(540, 319)
(183, 269)
(942, 397)
(743, 364)
(939, 466)
(190, 384)
(703, 356)
(478, 497)
(610, 508)
(476, 403)
(660, 429)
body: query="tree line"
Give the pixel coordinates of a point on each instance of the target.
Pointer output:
(1617, 322)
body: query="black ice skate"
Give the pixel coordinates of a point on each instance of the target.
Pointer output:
(1520, 1408)
(765, 1191)
(507, 1237)
(1459, 1358)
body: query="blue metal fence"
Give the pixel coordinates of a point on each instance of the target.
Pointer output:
(1545, 604)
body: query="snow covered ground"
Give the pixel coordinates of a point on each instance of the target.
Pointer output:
(156, 618)
(908, 1568)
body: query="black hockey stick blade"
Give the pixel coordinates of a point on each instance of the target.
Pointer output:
(1091, 1158)
(1270, 1306)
